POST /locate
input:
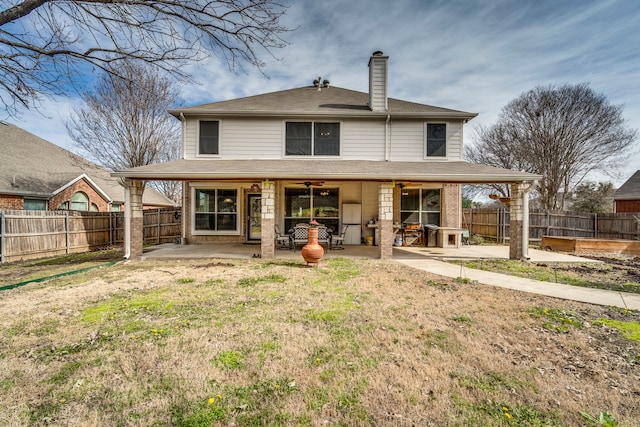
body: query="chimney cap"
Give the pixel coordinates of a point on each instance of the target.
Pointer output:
(377, 53)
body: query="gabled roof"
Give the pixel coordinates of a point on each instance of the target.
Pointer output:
(309, 101)
(630, 190)
(33, 167)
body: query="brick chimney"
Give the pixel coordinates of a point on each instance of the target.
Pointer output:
(378, 81)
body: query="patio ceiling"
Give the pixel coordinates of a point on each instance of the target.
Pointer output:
(354, 170)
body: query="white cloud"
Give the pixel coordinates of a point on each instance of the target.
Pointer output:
(472, 56)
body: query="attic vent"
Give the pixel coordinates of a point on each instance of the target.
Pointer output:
(319, 83)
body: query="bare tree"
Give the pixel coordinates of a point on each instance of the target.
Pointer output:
(44, 44)
(562, 133)
(123, 121)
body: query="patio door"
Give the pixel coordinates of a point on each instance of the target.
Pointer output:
(254, 217)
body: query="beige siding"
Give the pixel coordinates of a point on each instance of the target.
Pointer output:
(252, 139)
(454, 141)
(362, 140)
(407, 140)
(190, 137)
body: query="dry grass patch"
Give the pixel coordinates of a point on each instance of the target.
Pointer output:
(353, 342)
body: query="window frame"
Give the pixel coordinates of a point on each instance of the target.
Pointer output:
(422, 210)
(216, 211)
(87, 201)
(426, 141)
(313, 139)
(30, 202)
(315, 209)
(198, 145)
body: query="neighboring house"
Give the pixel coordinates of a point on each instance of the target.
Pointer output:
(296, 155)
(38, 175)
(627, 197)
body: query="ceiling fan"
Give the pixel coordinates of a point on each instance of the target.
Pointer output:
(310, 183)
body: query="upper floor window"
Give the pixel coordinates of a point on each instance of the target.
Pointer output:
(209, 137)
(436, 140)
(312, 139)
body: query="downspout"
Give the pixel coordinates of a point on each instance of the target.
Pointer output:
(525, 219)
(183, 240)
(184, 132)
(387, 137)
(127, 219)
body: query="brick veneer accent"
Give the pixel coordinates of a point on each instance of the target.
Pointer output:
(515, 221)
(450, 199)
(137, 218)
(268, 234)
(11, 202)
(81, 185)
(385, 220)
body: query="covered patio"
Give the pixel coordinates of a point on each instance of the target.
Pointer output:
(376, 185)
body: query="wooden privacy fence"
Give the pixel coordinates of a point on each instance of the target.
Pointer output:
(37, 234)
(492, 223)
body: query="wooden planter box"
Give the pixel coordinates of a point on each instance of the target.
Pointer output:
(590, 245)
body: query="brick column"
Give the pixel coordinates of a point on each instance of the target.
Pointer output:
(515, 221)
(134, 220)
(451, 205)
(268, 225)
(385, 220)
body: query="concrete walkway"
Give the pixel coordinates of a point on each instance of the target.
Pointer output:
(433, 261)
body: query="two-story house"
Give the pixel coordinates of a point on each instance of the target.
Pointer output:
(308, 153)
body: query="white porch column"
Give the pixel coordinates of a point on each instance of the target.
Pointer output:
(267, 230)
(385, 220)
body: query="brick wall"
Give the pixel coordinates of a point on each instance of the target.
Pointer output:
(81, 185)
(451, 205)
(11, 202)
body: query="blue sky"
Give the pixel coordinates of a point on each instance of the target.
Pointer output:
(471, 55)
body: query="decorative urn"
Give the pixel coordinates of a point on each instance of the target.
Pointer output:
(312, 252)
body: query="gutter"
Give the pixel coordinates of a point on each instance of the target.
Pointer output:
(368, 114)
(184, 133)
(525, 219)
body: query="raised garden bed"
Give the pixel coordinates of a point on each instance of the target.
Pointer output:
(589, 245)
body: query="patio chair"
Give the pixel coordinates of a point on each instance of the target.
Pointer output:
(282, 239)
(465, 236)
(300, 235)
(324, 238)
(337, 241)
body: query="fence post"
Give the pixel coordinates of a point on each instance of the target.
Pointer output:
(66, 226)
(470, 222)
(158, 225)
(595, 225)
(2, 226)
(548, 221)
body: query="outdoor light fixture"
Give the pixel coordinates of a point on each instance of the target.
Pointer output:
(255, 188)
